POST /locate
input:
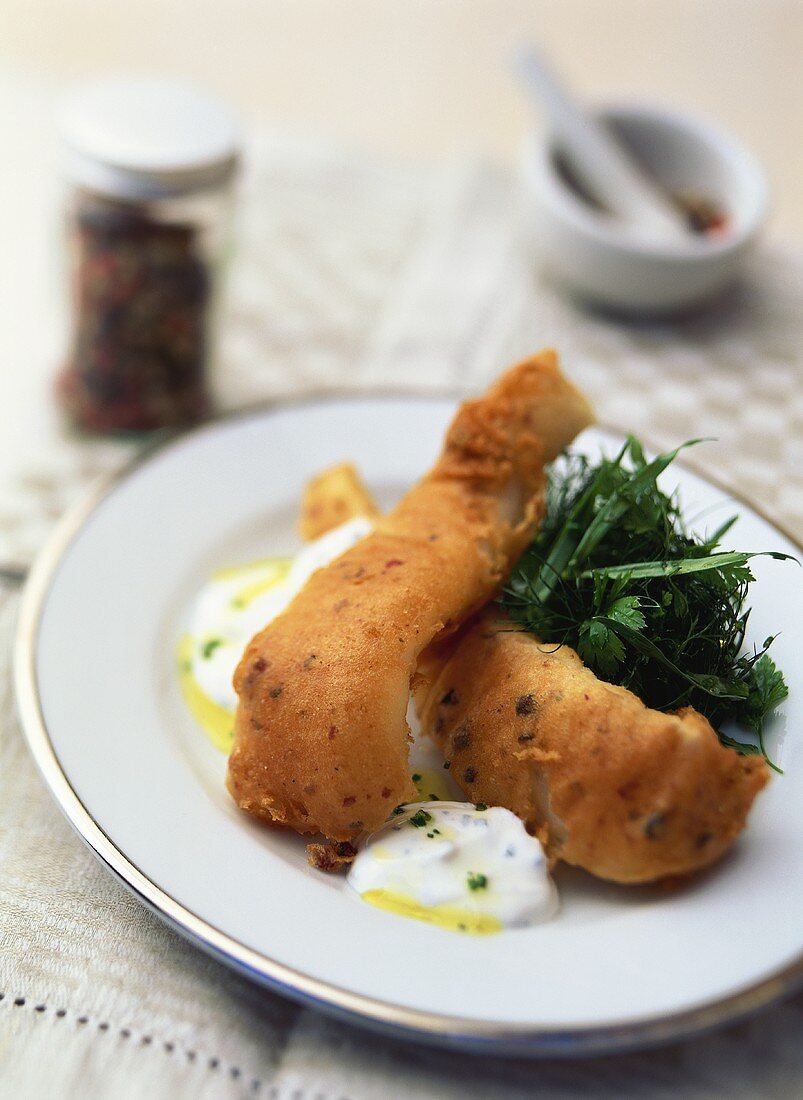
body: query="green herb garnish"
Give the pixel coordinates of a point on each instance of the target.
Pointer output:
(416, 777)
(420, 818)
(209, 647)
(480, 806)
(477, 882)
(615, 574)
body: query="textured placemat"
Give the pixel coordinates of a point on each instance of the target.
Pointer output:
(350, 275)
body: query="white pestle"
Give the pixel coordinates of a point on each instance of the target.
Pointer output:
(600, 163)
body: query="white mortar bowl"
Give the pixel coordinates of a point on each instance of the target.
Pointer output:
(586, 250)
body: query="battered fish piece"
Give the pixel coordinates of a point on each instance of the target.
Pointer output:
(333, 497)
(628, 793)
(321, 738)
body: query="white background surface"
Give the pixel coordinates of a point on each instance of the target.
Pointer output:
(428, 76)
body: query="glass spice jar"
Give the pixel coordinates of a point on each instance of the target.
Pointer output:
(150, 166)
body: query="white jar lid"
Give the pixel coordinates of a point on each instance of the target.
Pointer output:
(140, 137)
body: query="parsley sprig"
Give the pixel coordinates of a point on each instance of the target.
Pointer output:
(615, 573)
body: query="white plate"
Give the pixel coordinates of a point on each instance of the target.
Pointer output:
(96, 685)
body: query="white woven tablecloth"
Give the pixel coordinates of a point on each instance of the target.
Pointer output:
(353, 274)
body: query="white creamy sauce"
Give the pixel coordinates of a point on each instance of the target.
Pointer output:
(451, 864)
(237, 603)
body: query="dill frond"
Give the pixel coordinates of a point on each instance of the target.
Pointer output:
(615, 573)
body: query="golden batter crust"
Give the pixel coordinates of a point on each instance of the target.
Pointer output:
(333, 497)
(321, 738)
(628, 793)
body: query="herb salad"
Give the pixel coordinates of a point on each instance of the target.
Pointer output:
(616, 574)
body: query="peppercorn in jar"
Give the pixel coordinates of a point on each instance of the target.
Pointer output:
(151, 165)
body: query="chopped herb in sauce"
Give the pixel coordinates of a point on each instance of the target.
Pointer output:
(209, 647)
(477, 882)
(420, 819)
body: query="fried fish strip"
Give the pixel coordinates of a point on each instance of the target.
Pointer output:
(333, 497)
(628, 793)
(321, 737)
